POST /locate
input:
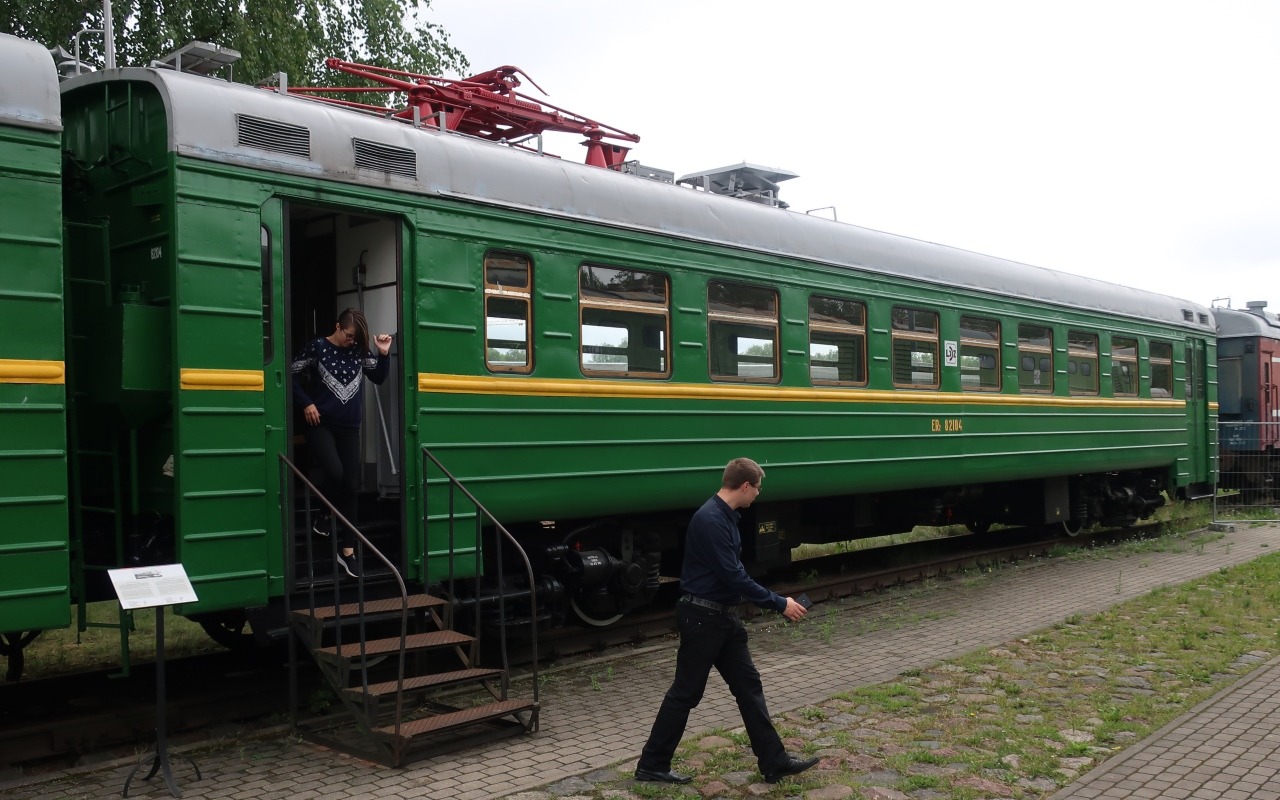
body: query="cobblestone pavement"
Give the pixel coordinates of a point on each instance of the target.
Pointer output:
(598, 716)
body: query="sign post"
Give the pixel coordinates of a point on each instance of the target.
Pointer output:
(155, 587)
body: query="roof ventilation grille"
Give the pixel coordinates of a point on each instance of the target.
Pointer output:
(385, 158)
(268, 134)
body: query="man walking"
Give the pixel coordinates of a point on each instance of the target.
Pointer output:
(711, 635)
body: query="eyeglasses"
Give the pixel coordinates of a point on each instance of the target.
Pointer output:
(349, 334)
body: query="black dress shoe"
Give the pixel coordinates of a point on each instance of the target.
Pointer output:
(792, 766)
(650, 776)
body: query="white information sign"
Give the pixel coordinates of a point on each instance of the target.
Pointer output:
(950, 354)
(148, 587)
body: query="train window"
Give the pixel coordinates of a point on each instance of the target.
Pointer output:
(1124, 367)
(837, 341)
(624, 322)
(914, 341)
(1035, 358)
(1161, 369)
(979, 354)
(742, 323)
(507, 294)
(1082, 362)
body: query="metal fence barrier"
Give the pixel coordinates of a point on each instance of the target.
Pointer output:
(1248, 472)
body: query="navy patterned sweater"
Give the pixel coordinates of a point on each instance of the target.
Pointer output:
(332, 377)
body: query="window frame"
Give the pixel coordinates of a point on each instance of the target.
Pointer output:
(1074, 354)
(632, 307)
(858, 332)
(980, 344)
(1165, 361)
(912, 335)
(1036, 351)
(1116, 360)
(743, 319)
(494, 291)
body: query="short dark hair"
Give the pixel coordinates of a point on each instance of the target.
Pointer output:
(740, 471)
(354, 317)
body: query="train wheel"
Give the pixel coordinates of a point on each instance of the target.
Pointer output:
(229, 629)
(1072, 527)
(591, 618)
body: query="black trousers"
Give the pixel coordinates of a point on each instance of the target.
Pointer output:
(335, 470)
(712, 639)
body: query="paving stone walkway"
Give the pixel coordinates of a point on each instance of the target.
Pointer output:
(1226, 748)
(597, 716)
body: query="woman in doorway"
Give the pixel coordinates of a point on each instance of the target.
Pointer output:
(328, 383)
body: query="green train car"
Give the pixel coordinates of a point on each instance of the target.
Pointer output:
(34, 539)
(583, 349)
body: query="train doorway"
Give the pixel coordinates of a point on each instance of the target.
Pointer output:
(331, 259)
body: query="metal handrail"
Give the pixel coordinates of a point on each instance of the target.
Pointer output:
(362, 545)
(454, 483)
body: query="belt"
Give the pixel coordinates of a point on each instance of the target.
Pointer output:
(723, 608)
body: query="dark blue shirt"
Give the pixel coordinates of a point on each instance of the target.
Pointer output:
(336, 378)
(713, 560)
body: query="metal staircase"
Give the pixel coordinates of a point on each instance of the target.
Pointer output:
(411, 684)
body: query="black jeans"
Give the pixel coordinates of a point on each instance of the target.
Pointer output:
(712, 639)
(335, 470)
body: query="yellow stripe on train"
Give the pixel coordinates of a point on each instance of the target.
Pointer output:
(21, 370)
(559, 387)
(244, 380)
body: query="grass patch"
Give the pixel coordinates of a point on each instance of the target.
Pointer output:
(57, 652)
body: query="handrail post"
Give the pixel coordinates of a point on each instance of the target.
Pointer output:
(500, 533)
(288, 540)
(363, 546)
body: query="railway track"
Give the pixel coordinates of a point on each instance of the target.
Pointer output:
(55, 723)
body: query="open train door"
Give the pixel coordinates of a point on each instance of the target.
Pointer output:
(1201, 436)
(332, 258)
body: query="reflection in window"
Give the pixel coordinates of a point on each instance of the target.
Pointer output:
(1082, 362)
(742, 325)
(1035, 358)
(1161, 369)
(624, 321)
(506, 312)
(1124, 367)
(914, 343)
(979, 354)
(837, 341)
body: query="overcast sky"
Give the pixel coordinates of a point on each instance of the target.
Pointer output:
(1135, 142)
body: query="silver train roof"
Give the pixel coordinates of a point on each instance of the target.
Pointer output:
(29, 91)
(1233, 322)
(207, 120)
